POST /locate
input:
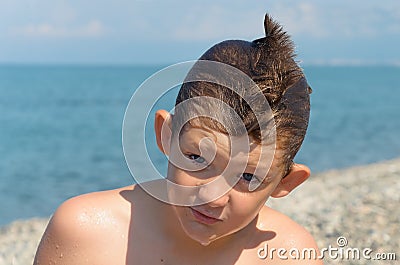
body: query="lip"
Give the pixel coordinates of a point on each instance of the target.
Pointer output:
(204, 218)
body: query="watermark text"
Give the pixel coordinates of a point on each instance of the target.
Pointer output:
(339, 252)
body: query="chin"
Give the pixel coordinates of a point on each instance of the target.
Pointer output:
(202, 238)
(204, 234)
(201, 233)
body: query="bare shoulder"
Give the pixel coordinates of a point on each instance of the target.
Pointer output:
(296, 243)
(288, 232)
(82, 226)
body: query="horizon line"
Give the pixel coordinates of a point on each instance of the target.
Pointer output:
(306, 63)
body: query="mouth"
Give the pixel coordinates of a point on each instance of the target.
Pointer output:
(204, 218)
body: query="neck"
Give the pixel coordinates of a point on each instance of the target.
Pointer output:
(164, 218)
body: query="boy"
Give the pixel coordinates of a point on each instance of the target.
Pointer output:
(218, 224)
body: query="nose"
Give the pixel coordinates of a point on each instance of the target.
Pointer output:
(214, 194)
(220, 202)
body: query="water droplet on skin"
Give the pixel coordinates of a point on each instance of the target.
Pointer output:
(205, 243)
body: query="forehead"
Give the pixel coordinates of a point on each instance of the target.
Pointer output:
(224, 145)
(202, 127)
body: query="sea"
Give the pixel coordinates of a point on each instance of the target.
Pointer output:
(61, 126)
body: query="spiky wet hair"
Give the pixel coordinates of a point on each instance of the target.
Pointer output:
(269, 62)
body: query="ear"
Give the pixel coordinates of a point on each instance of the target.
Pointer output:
(297, 175)
(162, 127)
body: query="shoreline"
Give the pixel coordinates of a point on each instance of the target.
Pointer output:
(359, 203)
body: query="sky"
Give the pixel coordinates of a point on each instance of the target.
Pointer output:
(339, 32)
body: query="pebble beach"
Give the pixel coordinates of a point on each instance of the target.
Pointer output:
(359, 205)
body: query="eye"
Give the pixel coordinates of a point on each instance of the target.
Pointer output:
(247, 177)
(196, 158)
(249, 182)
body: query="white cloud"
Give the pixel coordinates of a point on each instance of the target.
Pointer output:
(324, 19)
(218, 23)
(301, 18)
(93, 28)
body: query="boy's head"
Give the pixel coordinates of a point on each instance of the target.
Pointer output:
(211, 209)
(269, 62)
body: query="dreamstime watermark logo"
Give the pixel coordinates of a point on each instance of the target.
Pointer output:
(150, 91)
(340, 252)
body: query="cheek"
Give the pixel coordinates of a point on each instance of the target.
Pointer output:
(250, 203)
(181, 177)
(173, 173)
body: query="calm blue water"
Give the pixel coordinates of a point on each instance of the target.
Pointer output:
(60, 128)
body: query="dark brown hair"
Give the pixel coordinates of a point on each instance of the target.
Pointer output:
(269, 62)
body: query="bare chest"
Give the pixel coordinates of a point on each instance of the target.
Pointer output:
(153, 252)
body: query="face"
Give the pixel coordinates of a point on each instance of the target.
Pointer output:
(206, 155)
